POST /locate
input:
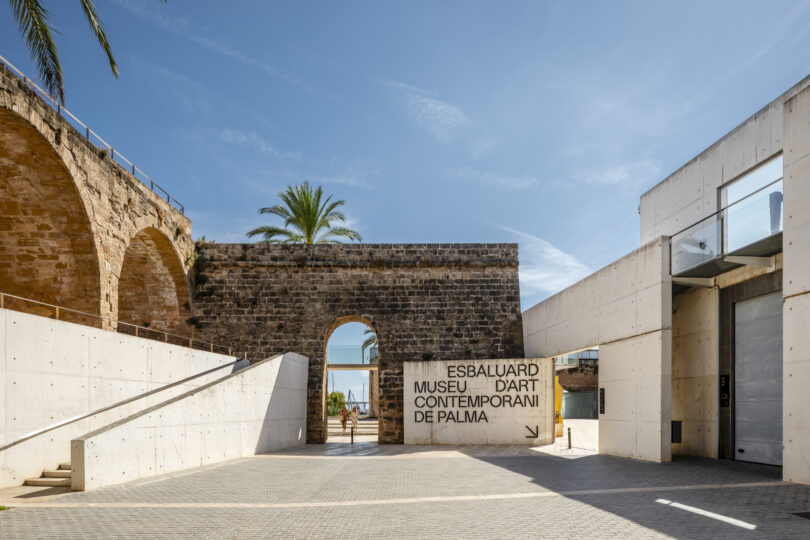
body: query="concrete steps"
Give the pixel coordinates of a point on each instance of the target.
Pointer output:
(58, 478)
(57, 474)
(366, 426)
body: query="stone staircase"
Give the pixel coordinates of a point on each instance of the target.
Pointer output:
(58, 478)
(365, 426)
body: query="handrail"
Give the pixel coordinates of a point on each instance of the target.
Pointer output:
(166, 335)
(738, 201)
(88, 132)
(106, 408)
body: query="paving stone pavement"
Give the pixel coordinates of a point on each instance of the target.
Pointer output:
(370, 491)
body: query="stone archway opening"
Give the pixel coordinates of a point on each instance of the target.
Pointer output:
(46, 241)
(351, 370)
(152, 289)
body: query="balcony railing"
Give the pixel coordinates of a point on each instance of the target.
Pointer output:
(348, 355)
(751, 227)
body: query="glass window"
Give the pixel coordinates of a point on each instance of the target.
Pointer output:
(751, 182)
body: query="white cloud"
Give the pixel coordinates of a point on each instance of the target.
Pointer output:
(491, 179)
(351, 222)
(440, 118)
(245, 139)
(483, 147)
(630, 175)
(545, 268)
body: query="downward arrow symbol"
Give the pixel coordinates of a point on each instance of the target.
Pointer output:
(534, 433)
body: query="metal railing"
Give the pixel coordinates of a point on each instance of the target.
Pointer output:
(708, 239)
(7, 301)
(91, 135)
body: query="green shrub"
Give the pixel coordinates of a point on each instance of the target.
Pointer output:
(335, 401)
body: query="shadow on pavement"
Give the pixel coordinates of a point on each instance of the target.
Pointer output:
(712, 498)
(45, 492)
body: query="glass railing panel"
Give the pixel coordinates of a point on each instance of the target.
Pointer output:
(566, 361)
(340, 354)
(753, 219)
(696, 245)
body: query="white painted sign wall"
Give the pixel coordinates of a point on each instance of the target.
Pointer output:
(507, 401)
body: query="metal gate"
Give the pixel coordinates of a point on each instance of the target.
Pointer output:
(758, 379)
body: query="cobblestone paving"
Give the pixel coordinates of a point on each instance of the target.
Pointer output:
(388, 491)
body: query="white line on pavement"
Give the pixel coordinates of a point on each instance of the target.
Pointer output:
(374, 502)
(706, 513)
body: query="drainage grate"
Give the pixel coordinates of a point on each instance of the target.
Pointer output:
(805, 515)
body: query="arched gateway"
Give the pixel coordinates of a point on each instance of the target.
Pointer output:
(424, 301)
(47, 246)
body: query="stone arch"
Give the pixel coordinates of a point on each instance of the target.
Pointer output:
(46, 238)
(340, 321)
(152, 289)
(336, 323)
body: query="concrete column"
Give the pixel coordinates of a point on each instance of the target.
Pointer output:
(796, 285)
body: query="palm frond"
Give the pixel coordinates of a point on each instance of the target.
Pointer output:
(270, 234)
(332, 235)
(369, 342)
(89, 8)
(306, 214)
(277, 210)
(32, 21)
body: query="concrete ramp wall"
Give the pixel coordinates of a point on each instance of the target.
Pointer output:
(258, 409)
(52, 371)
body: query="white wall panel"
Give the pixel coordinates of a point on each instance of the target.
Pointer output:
(259, 409)
(53, 370)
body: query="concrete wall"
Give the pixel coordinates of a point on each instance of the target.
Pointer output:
(53, 370)
(690, 193)
(258, 409)
(695, 368)
(626, 310)
(796, 286)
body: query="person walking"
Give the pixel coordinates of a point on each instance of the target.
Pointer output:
(354, 418)
(344, 416)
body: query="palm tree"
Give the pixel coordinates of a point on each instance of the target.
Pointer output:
(32, 20)
(370, 341)
(305, 216)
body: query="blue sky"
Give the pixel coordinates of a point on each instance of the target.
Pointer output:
(532, 122)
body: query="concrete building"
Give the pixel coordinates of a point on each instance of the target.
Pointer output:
(701, 331)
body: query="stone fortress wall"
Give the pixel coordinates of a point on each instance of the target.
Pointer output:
(424, 301)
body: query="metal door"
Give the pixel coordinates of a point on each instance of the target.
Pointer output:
(758, 379)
